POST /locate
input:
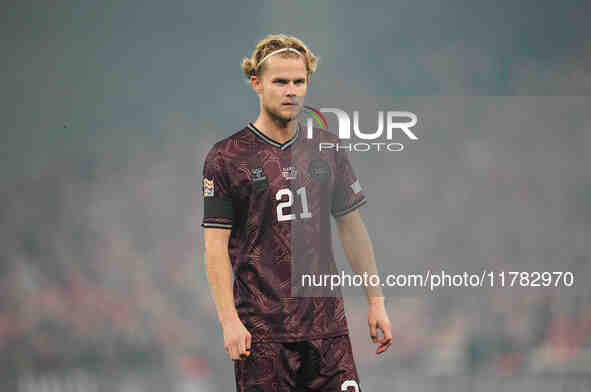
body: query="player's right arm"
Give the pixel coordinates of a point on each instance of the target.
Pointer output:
(237, 339)
(218, 217)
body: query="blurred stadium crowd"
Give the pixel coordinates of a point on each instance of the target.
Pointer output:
(102, 270)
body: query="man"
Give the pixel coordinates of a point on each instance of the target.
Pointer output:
(268, 196)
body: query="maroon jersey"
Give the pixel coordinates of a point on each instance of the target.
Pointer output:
(277, 199)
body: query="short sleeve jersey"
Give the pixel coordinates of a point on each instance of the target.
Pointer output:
(277, 199)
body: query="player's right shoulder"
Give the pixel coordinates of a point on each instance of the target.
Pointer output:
(230, 146)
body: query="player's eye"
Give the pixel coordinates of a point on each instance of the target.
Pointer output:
(281, 81)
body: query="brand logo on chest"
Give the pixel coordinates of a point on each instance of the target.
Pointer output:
(259, 179)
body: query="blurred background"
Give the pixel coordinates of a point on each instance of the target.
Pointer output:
(109, 109)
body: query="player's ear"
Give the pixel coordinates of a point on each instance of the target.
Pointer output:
(256, 84)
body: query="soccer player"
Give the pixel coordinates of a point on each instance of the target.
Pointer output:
(269, 194)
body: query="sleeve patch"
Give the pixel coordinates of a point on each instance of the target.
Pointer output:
(356, 187)
(207, 187)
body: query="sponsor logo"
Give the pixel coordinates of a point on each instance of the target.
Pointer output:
(207, 187)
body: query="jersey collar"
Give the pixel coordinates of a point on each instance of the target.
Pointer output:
(273, 142)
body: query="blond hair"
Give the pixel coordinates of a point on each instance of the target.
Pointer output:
(252, 66)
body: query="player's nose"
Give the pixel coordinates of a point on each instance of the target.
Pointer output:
(291, 89)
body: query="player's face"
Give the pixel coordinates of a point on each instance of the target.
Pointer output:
(283, 87)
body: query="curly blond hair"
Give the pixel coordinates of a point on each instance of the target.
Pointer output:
(275, 42)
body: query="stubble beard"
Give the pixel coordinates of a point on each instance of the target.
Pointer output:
(279, 119)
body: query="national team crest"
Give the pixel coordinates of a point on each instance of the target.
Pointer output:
(319, 170)
(207, 187)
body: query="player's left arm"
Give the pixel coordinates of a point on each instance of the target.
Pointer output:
(359, 253)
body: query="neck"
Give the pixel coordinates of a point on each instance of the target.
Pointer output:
(276, 129)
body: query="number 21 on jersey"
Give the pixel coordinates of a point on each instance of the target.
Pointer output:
(281, 215)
